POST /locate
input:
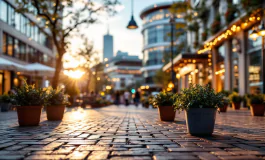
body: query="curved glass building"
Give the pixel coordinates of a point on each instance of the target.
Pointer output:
(156, 37)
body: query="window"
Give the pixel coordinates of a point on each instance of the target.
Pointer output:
(220, 68)
(4, 48)
(255, 82)
(10, 46)
(11, 16)
(3, 11)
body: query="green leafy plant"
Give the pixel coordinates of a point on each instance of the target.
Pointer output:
(225, 93)
(28, 95)
(163, 99)
(56, 97)
(5, 98)
(256, 99)
(235, 97)
(197, 96)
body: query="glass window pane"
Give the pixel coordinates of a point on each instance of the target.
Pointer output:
(3, 11)
(10, 45)
(4, 43)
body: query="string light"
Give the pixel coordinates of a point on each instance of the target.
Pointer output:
(227, 34)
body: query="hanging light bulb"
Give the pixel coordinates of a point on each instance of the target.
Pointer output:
(132, 24)
(262, 29)
(254, 35)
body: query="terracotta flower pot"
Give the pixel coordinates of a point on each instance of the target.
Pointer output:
(236, 106)
(257, 109)
(200, 121)
(223, 109)
(166, 113)
(29, 115)
(55, 113)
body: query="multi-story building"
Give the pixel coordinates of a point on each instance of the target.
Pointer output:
(229, 58)
(123, 71)
(107, 47)
(22, 43)
(156, 37)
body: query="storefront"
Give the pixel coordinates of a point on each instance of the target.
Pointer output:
(189, 68)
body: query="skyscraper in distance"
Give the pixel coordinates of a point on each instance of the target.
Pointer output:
(107, 46)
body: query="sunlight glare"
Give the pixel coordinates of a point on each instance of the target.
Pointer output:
(75, 74)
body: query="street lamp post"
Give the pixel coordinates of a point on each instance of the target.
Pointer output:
(172, 23)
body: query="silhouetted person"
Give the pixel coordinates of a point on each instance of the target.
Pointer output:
(117, 98)
(137, 98)
(127, 98)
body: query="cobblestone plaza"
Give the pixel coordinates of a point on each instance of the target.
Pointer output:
(119, 132)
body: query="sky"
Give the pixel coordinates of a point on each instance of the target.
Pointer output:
(130, 41)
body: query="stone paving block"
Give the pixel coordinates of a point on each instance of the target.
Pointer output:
(247, 157)
(130, 153)
(64, 150)
(78, 155)
(131, 158)
(98, 155)
(45, 157)
(11, 157)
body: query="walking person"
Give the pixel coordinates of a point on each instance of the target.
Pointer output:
(117, 98)
(137, 98)
(127, 98)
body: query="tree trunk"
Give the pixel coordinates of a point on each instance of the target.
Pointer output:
(57, 72)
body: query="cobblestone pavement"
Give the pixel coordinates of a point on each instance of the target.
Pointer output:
(119, 132)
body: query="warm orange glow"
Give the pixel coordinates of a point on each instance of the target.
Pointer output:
(75, 74)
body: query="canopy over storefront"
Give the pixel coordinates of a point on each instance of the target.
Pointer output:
(186, 58)
(9, 65)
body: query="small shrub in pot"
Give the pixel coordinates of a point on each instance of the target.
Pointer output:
(56, 101)
(200, 104)
(5, 102)
(29, 102)
(164, 102)
(226, 101)
(236, 100)
(257, 106)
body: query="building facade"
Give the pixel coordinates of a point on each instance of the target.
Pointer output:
(232, 59)
(123, 71)
(22, 43)
(107, 47)
(156, 37)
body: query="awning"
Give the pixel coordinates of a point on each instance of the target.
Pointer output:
(38, 67)
(9, 65)
(186, 58)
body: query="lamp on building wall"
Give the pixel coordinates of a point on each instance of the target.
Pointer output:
(254, 35)
(132, 24)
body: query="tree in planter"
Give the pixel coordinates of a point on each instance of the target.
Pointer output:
(76, 13)
(4, 102)
(162, 78)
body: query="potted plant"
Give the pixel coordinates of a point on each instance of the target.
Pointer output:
(5, 102)
(29, 102)
(225, 100)
(164, 102)
(236, 100)
(56, 101)
(257, 106)
(200, 104)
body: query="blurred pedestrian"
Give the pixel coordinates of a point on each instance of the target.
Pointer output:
(127, 98)
(137, 98)
(117, 98)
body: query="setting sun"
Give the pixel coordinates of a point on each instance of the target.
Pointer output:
(75, 74)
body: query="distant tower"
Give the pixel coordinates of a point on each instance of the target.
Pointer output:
(108, 46)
